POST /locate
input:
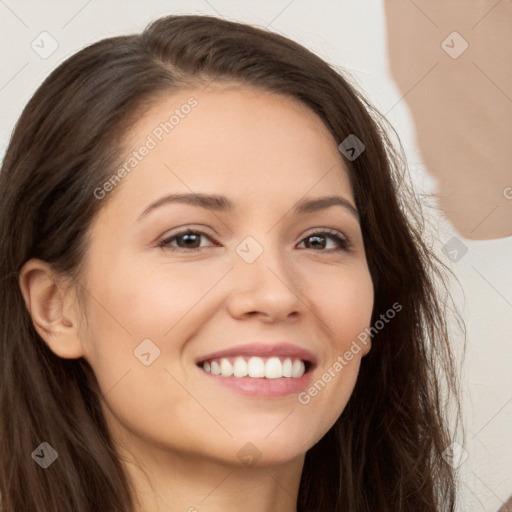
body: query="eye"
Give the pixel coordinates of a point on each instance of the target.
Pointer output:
(186, 240)
(320, 238)
(189, 240)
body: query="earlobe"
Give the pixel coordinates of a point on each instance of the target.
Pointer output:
(50, 305)
(366, 348)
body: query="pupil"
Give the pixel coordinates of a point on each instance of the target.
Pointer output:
(189, 237)
(316, 237)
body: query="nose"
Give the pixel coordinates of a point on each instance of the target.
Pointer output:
(269, 288)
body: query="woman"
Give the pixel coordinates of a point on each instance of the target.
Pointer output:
(213, 297)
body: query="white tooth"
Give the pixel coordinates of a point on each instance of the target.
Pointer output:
(240, 368)
(256, 367)
(287, 367)
(215, 368)
(273, 368)
(226, 368)
(298, 368)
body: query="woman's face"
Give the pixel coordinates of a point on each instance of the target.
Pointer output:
(256, 286)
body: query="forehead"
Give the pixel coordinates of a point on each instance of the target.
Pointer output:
(243, 142)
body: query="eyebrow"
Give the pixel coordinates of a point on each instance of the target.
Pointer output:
(223, 204)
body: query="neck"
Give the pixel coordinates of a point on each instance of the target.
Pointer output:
(174, 482)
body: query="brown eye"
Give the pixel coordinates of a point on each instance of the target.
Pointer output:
(189, 240)
(320, 239)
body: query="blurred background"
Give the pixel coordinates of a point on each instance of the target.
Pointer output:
(441, 73)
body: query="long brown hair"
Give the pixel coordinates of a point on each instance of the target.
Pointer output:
(384, 452)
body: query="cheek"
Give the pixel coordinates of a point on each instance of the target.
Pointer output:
(126, 307)
(147, 300)
(169, 303)
(133, 302)
(346, 308)
(136, 301)
(345, 303)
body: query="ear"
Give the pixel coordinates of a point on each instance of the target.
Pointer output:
(366, 348)
(52, 308)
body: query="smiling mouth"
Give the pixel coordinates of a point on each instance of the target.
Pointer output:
(256, 367)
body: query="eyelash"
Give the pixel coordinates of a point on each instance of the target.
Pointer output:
(341, 239)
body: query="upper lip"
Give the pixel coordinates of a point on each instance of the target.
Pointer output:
(262, 350)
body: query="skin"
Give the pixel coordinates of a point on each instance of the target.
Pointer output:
(507, 507)
(179, 433)
(461, 109)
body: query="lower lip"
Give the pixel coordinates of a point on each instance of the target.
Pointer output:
(266, 388)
